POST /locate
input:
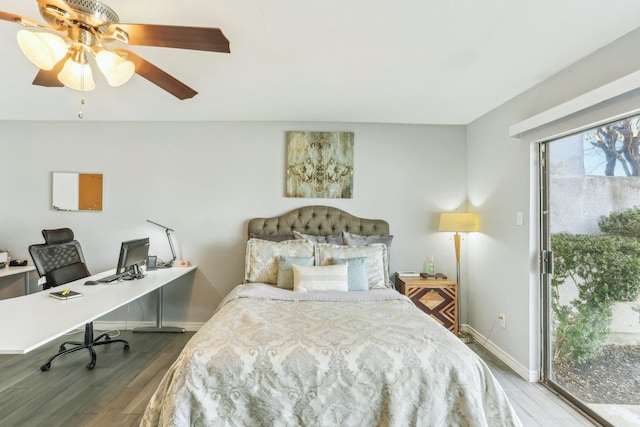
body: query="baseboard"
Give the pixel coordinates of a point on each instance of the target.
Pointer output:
(124, 326)
(517, 367)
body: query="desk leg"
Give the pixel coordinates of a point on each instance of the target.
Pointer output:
(159, 327)
(26, 283)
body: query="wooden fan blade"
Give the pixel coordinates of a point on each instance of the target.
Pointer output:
(158, 77)
(50, 78)
(195, 38)
(6, 16)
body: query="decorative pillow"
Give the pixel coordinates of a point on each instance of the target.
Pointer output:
(356, 271)
(320, 278)
(285, 271)
(351, 239)
(272, 237)
(261, 260)
(333, 240)
(377, 260)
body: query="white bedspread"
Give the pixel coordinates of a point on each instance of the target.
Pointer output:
(272, 357)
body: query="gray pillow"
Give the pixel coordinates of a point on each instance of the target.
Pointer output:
(357, 279)
(285, 269)
(332, 240)
(351, 239)
(272, 237)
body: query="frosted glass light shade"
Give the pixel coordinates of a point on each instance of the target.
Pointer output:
(458, 222)
(115, 68)
(72, 74)
(44, 50)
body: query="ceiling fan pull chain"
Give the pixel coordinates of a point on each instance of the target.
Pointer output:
(82, 98)
(81, 112)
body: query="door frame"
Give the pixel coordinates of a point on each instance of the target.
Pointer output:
(546, 272)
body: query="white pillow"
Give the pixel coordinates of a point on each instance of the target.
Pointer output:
(261, 260)
(320, 278)
(377, 260)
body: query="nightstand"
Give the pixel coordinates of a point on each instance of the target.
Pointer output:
(436, 297)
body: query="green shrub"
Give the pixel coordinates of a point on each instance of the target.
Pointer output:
(623, 223)
(580, 331)
(604, 268)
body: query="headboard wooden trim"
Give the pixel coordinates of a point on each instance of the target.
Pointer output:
(316, 220)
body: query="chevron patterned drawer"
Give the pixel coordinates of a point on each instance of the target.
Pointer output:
(438, 298)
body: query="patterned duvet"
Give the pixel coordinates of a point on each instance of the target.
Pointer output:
(272, 357)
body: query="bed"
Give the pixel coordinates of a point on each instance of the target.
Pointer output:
(316, 336)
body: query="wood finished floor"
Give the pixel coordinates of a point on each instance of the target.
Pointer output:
(535, 404)
(116, 392)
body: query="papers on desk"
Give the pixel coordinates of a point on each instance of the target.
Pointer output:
(63, 295)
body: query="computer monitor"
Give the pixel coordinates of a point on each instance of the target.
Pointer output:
(133, 254)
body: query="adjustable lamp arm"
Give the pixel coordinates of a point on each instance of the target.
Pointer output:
(167, 231)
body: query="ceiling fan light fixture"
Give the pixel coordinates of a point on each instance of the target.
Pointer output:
(115, 68)
(77, 75)
(44, 50)
(84, 27)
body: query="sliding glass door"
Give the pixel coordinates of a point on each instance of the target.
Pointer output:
(590, 264)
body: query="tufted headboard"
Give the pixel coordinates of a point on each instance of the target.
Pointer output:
(316, 220)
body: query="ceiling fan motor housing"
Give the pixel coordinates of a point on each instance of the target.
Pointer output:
(91, 12)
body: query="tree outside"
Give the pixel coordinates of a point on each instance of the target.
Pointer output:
(612, 149)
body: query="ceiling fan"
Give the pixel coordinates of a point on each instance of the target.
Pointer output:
(80, 29)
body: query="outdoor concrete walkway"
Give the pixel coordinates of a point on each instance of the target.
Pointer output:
(618, 415)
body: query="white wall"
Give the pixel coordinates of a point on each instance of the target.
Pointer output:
(205, 180)
(502, 174)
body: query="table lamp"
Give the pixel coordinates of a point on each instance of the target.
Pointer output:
(166, 264)
(458, 222)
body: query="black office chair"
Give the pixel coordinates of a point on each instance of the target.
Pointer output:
(60, 260)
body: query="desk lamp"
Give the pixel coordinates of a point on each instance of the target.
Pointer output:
(166, 264)
(458, 222)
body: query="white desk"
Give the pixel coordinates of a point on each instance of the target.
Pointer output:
(10, 271)
(29, 321)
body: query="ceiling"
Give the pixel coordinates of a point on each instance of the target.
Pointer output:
(380, 61)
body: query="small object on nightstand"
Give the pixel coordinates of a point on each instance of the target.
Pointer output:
(408, 273)
(433, 276)
(431, 269)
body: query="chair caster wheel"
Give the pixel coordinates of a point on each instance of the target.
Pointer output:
(91, 365)
(45, 367)
(126, 347)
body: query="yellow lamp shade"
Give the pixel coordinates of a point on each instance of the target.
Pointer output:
(44, 50)
(115, 68)
(73, 73)
(458, 222)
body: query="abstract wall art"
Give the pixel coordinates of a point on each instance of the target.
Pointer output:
(320, 164)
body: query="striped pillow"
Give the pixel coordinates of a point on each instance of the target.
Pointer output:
(320, 278)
